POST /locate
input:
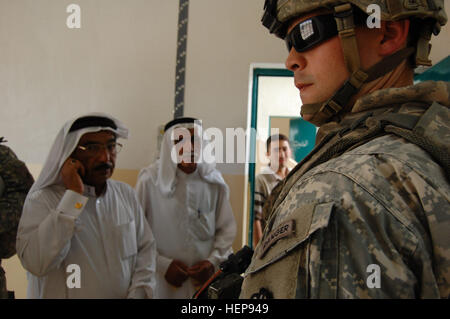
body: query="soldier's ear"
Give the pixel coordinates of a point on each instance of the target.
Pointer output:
(395, 36)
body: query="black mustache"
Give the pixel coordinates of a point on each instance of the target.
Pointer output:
(103, 166)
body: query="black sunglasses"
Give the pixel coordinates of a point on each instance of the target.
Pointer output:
(311, 32)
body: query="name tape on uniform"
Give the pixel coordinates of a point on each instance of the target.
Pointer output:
(282, 231)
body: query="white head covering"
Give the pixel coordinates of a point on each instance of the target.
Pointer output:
(163, 171)
(65, 143)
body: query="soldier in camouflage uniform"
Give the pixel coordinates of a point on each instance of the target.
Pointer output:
(367, 213)
(15, 181)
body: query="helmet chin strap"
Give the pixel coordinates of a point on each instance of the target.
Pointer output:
(323, 111)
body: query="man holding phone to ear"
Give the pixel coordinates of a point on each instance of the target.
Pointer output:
(186, 202)
(75, 215)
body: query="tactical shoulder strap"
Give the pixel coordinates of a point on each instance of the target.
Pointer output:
(431, 132)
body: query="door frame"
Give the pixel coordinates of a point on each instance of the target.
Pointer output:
(256, 70)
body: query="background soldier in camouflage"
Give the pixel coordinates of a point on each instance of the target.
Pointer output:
(15, 181)
(367, 213)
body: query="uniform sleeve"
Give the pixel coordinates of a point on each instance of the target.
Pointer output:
(15, 181)
(225, 230)
(45, 230)
(143, 194)
(143, 280)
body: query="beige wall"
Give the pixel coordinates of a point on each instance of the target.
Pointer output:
(282, 123)
(440, 45)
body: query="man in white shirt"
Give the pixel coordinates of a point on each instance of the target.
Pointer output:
(83, 235)
(186, 202)
(279, 153)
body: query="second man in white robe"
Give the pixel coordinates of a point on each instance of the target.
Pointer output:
(186, 202)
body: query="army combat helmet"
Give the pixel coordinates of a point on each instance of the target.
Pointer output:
(427, 17)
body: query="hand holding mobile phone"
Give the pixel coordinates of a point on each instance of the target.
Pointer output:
(71, 174)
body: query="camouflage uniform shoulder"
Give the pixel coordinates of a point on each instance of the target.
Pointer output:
(16, 181)
(6, 153)
(363, 162)
(374, 205)
(13, 171)
(399, 175)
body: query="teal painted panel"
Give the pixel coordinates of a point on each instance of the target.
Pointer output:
(302, 136)
(439, 72)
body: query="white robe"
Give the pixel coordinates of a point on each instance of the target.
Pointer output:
(107, 237)
(193, 223)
